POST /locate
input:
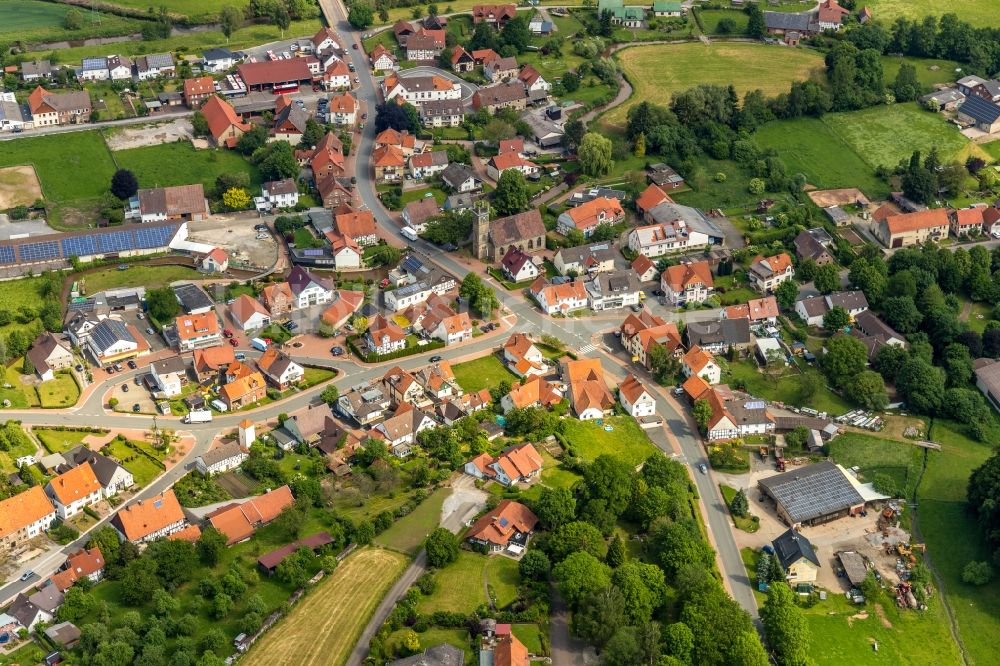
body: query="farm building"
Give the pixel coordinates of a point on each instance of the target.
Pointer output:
(817, 494)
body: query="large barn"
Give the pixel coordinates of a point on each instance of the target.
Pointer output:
(817, 494)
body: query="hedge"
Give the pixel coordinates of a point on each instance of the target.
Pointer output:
(402, 353)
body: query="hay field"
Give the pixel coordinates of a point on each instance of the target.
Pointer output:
(322, 629)
(19, 186)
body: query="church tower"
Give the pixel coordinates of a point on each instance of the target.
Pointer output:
(481, 231)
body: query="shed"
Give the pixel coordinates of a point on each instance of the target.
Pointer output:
(854, 567)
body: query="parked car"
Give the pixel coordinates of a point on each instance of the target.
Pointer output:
(79, 367)
(260, 227)
(123, 267)
(364, 116)
(233, 342)
(137, 381)
(150, 331)
(241, 356)
(110, 370)
(141, 316)
(636, 308)
(435, 359)
(263, 236)
(337, 351)
(27, 575)
(354, 46)
(659, 292)
(124, 388)
(290, 326)
(136, 408)
(227, 333)
(132, 365)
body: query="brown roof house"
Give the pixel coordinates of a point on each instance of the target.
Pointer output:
(181, 202)
(48, 355)
(508, 526)
(150, 518)
(514, 465)
(224, 124)
(66, 108)
(239, 521)
(589, 394)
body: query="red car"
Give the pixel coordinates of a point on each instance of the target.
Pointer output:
(233, 342)
(226, 332)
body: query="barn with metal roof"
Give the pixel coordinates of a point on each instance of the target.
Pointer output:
(816, 494)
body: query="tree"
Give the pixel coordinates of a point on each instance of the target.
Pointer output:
(276, 161)
(360, 16)
(836, 318)
(600, 616)
(594, 154)
(885, 484)
(27, 366)
(535, 565)
(76, 605)
(210, 546)
(786, 293)
(497, 130)
(555, 507)
(921, 384)
(610, 478)
(868, 390)
(199, 124)
(236, 198)
(313, 133)
(740, 506)
(230, 18)
(162, 304)
(139, 581)
(574, 131)
(617, 553)
(644, 588)
(175, 560)
(755, 23)
(576, 537)
(73, 20)
(902, 314)
(756, 186)
(252, 140)
(579, 575)
(516, 33)
(633, 645)
(845, 357)
(827, 279)
(974, 573)
(679, 544)
(639, 149)
(442, 547)
(511, 195)
(124, 184)
(330, 395)
(702, 412)
(786, 627)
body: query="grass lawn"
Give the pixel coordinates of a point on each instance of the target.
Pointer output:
(408, 533)
(627, 440)
(34, 21)
(992, 149)
(732, 195)
(312, 376)
(57, 441)
(710, 19)
(809, 146)
(61, 391)
(7, 458)
(875, 455)
(929, 70)
(884, 135)
(980, 13)
(370, 507)
(485, 372)
(953, 537)
(198, 11)
(169, 164)
(323, 627)
(143, 469)
(28, 653)
(417, 195)
(745, 523)
(979, 315)
(151, 277)
(460, 585)
(554, 476)
(19, 395)
(839, 640)
(73, 169)
(681, 66)
(786, 389)
(530, 635)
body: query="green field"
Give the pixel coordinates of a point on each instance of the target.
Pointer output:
(884, 135)
(485, 372)
(656, 72)
(875, 455)
(194, 42)
(73, 169)
(460, 585)
(626, 439)
(992, 149)
(929, 70)
(143, 469)
(137, 275)
(786, 389)
(710, 19)
(32, 21)
(809, 146)
(60, 391)
(198, 11)
(953, 538)
(408, 533)
(980, 13)
(179, 163)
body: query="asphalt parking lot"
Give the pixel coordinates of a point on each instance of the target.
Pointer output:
(156, 341)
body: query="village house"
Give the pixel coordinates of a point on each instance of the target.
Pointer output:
(65, 108)
(452, 329)
(382, 59)
(307, 289)
(280, 369)
(169, 375)
(718, 336)
(500, 69)
(149, 519)
(522, 357)
(508, 526)
(687, 283)
(240, 520)
(23, 517)
(215, 261)
(217, 60)
(461, 60)
(366, 406)
(797, 557)
(74, 490)
(589, 395)
(221, 459)
(609, 291)
(757, 310)
(635, 399)
(209, 362)
(271, 74)
(625, 16)
(336, 76)
(113, 341)
(342, 109)
(766, 273)
(33, 70)
(182, 202)
(495, 15)
(280, 193)
(967, 221)
(813, 308)
(198, 90)
(425, 45)
(197, 330)
(699, 362)
(358, 225)
(112, 476)
(650, 198)
(245, 388)
(510, 95)
(419, 89)
(404, 141)
(982, 114)
(400, 430)
(442, 113)
(155, 66)
(907, 229)
(80, 564)
(505, 161)
(518, 266)
(517, 464)
(585, 259)
(533, 80)
(428, 164)
(384, 336)
(645, 268)
(875, 333)
(588, 216)
(532, 391)
(49, 355)
(808, 247)
(673, 228)
(389, 163)
(639, 333)
(736, 415)
(558, 298)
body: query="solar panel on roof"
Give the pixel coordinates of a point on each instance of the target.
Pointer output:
(312, 252)
(147, 237)
(6, 255)
(158, 504)
(503, 522)
(755, 404)
(80, 246)
(116, 241)
(40, 251)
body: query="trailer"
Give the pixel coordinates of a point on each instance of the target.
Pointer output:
(409, 232)
(197, 416)
(259, 344)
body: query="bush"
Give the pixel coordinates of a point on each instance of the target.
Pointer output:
(977, 573)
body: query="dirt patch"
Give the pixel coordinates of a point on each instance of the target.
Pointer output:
(234, 485)
(881, 616)
(98, 442)
(845, 197)
(863, 615)
(154, 134)
(19, 186)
